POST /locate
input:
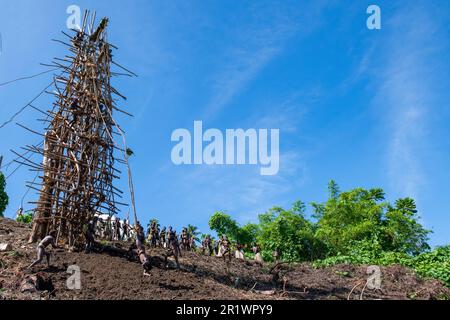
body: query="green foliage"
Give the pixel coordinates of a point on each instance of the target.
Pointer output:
(15, 254)
(333, 189)
(400, 230)
(289, 232)
(249, 255)
(246, 235)
(349, 216)
(434, 264)
(343, 274)
(352, 227)
(361, 214)
(193, 232)
(149, 225)
(129, 152)
(357, 252)
(4, 199)
(222, 223)
(25, 218)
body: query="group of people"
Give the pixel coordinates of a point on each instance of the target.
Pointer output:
(221, 248)
(112, 228)
(165, 238)
(160, 238)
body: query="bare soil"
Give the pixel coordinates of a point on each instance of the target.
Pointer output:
(112, 273)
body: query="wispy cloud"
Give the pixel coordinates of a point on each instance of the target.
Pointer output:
(405, 94)
(256, 45)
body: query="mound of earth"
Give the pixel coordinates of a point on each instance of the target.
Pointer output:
(111, 273)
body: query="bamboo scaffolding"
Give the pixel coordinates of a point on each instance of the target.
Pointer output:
(78, 150)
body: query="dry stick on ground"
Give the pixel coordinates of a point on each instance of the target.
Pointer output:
(358, 284)
(285, 280)
(417, 292)
(362, 291)
(293, 292)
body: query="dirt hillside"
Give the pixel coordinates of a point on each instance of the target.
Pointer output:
(112, 275)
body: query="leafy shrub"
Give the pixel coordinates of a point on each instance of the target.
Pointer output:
(434, 264)
(289, 232)
(351, 227)
(25, 218)
(223, 224)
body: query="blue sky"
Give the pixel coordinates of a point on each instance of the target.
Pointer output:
(367, 108)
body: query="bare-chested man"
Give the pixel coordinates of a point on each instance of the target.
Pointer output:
(185, 243)
(173, 246)
(48, 240)
(153, 234)
(225, 247)
(207, 245)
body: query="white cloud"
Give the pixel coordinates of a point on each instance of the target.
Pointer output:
(405, 94)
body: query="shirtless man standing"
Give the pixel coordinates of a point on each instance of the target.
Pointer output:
(207, 245)
(225, 247)
(173, 246)
(185, 243)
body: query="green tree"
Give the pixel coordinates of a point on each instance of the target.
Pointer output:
(360, 218)
(193, 232)
(349, 216)
(203, 236)
(4, 199)
(356, 225)
(401, 232)
(26, 217)
(246, 235)
(149, 225)
(333, 189)
(222, 223)
(289, 232)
